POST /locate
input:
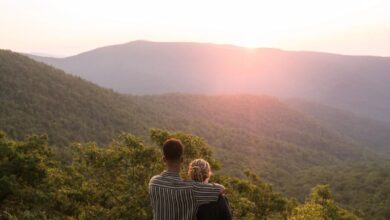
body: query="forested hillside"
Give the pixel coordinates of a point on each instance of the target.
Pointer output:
(279, 142)
(355, 83)
(263, 128)
(371, 133)
(361, 184)
(39, 98)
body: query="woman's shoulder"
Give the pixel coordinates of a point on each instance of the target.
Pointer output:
(223, 200)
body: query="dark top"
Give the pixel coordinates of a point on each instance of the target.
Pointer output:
(219, 210)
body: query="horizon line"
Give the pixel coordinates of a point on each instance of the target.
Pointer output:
(58, 56)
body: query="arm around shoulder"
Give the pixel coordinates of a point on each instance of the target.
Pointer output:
(205, 193)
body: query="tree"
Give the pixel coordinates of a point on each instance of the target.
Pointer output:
(320, 205)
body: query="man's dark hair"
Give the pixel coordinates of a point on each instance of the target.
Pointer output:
(173, 149)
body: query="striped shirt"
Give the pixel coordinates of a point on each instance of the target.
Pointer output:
(172, 198)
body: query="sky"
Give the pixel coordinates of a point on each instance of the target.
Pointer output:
(69, 27)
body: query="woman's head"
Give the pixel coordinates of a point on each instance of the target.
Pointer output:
(199, 170)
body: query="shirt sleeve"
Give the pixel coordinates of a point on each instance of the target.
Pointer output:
(205, 193)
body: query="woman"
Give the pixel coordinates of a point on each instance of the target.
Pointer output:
(200, 171)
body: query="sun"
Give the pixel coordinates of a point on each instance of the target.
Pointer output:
(250, 43)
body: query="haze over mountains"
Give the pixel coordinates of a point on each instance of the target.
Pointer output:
(353, 83)
(281, 140)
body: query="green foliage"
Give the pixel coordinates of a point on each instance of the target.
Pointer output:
(320, 205)
(105, 183)
(112, 182)
(254, 199)
(356, 186)
(24, 167)
(308, 211)
(116, 178)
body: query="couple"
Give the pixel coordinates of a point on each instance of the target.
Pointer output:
(173, 198)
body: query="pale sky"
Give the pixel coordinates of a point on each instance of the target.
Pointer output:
(68, 27)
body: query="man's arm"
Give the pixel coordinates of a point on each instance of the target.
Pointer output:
(206, 193)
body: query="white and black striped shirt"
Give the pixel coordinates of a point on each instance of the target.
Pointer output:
(175, 199)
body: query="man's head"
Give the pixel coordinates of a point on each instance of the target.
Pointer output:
(173, 151)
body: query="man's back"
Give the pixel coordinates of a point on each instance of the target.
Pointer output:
(175, 199)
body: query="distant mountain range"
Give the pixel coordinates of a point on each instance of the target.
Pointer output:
(354, 83)
(281, 140)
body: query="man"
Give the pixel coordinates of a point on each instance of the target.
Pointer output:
(171, 197)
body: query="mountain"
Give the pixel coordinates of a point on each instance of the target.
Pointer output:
(354, 83)
(265, 134)
(366, 131)
(39, 98)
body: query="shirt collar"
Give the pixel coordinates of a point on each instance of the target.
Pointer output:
(170, 174)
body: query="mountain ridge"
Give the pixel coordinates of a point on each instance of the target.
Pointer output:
(354, 83)
(267, 115)
(205, 43)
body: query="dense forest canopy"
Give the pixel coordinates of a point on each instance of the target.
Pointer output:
(286, 144)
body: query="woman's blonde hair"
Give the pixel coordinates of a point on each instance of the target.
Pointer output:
(199, 170)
